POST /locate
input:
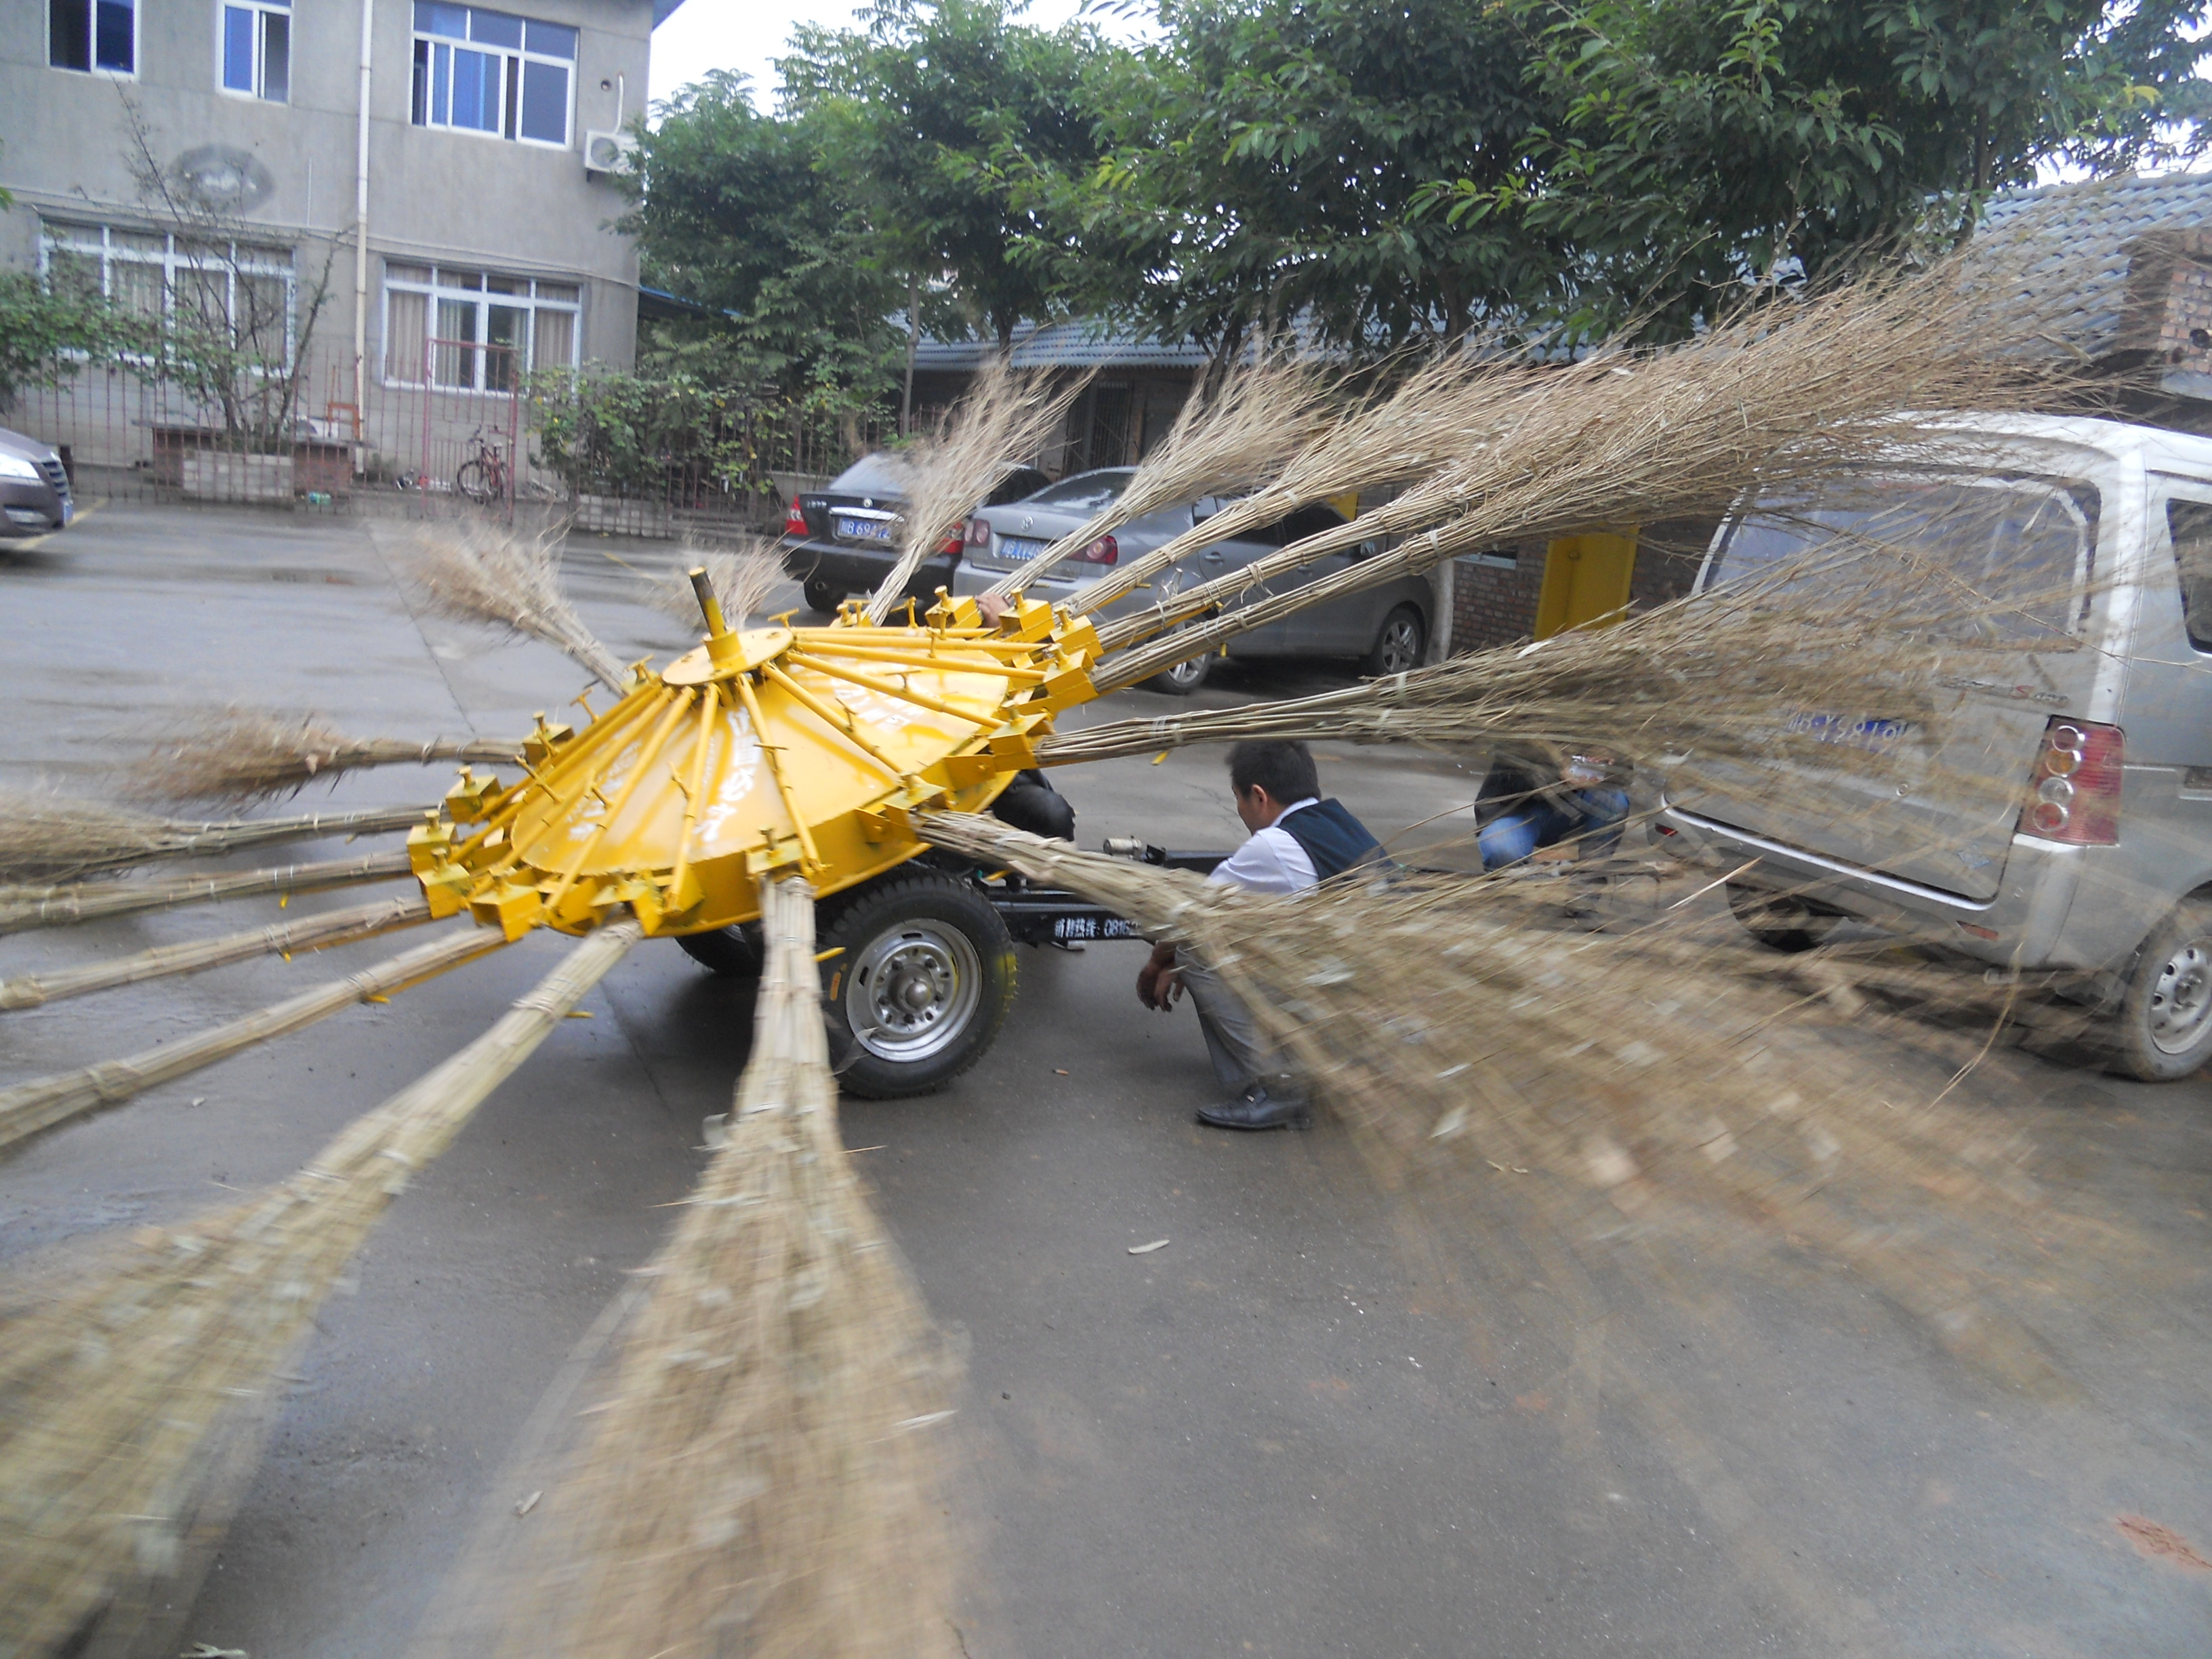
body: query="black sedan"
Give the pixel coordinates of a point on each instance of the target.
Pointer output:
(844, 539)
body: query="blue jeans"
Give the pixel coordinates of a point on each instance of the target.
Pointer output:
(1512, 837)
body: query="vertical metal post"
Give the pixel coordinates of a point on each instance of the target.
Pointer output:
(361, 224)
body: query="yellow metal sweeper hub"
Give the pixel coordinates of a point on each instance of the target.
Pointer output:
(782, 748)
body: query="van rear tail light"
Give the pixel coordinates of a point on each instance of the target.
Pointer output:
(1105, 551)
(2073, 794)
(979, 532)
(794, 521)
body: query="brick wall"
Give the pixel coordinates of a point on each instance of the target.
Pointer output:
(1491, 605)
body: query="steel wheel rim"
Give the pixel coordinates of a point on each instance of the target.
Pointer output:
(2181, 998)
(913, 990)
(1400, 651)
(1187, 673)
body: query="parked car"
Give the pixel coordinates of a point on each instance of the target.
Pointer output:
(34, 486)
(1387, 628)
(2089, 854)
(844, 539)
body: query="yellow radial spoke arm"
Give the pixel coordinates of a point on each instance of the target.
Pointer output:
(842, 723)
(884, 688)
(677, 702)
(594, 758)
(941, 664)
(710, 703)
(811, 859)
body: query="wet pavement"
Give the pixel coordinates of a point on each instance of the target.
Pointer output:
(1327, 1418)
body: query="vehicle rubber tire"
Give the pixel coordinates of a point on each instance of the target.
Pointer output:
(730, 952)
(821, 596)
(473, 481)
(1779, 921)
(2162, 1029)
(917, 978)
(1182, 680)
(1398, 645)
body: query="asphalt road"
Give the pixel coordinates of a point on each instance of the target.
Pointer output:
(1325, 1419)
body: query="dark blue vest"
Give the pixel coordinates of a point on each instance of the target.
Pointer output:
(1334, 839)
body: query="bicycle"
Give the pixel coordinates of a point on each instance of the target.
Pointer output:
(485, 475)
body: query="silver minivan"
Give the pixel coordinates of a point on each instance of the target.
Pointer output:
(1386, 627)
(2086, 858)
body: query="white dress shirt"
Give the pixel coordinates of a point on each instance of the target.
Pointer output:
(1272, 862)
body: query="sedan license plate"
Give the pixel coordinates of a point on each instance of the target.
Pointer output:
(1020, 549)
(865, 529)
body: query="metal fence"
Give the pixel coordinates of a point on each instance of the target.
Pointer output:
(413, 450)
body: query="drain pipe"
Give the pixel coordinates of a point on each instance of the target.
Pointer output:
(360, 227)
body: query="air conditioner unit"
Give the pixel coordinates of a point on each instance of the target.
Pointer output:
(610, 152)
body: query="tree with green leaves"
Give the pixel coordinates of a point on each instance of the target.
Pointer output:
(51, 334)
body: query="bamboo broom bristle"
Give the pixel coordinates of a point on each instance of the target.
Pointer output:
(244, 756)
(117, 1385)
(743, 577)
(25, 908)
(482, 572)
(763, 1479)
(43, 1104)
(51, 837)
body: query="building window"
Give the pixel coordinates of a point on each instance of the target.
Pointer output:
(470, 330)
(492, 72)
(257, 49)
(93, 34)
(240, 290)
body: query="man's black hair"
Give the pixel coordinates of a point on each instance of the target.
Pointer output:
(1285, 770)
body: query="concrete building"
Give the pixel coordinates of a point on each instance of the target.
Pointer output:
(418, 193)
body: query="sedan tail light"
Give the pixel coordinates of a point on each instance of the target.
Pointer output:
(794, 521)
(1105, 551)
(2073, 794)
(979, 532)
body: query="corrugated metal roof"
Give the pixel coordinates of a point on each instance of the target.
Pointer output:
(2085, 230)
(1076, 342)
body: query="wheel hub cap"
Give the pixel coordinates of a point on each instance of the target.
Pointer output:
(2181, 1001)
(913, 991)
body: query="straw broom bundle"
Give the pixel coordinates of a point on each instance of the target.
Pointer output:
(52, 837)
(1007, 414)
(320, 933)
(479, 571)
(1231, 438)
(116, 1386)
(763, 1481)
(1644, 1076)
(743, 577)
(1790, 390)
(24, 907)
(245, 756)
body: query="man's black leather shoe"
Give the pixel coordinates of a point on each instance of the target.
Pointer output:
(1255, 1109)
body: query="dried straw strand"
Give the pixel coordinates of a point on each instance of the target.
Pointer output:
(762, 1480)
(244, 756)
(1231, 439)
(43, 1103)
(332, 928)
(1008, 415)
(115, 1387)
(51, 837)
(24, 907)
(483, 571)
(744, 578)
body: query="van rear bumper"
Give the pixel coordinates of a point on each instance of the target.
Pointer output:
(2024, 926)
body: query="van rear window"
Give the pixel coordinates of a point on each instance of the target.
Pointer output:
(2028, 546)
(2190, 524)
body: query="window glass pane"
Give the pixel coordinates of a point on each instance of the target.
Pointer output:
(506, 285)
(2190, 523)
(277, 258)
(112, 47)
(545, 101)
(407, 274)
(468, 279)
(419, 106)
(454, 362)
(258, 315)
(68, 35)
(150, 243)
(72, 273)
(506, 341)
(494, 28)
(555, 345)
(275, 56)
(554, 39)
(238, 49)
(564, 292)
(514, 91)
(406, 317)
(469, 102)
(441, 78)
(432, 18)
(137, 288)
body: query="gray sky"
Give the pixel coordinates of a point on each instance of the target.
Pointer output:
(748, 35)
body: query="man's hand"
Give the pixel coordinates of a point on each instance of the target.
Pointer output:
(993, 608)
(1158, 987)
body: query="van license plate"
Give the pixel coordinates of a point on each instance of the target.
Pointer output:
(1875, 736)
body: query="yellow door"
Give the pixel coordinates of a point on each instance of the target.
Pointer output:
(1585, 577)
